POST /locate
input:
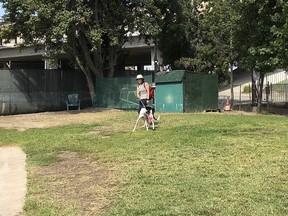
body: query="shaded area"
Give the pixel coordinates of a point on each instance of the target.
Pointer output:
(27, 91)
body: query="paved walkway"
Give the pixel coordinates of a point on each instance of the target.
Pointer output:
(12, 181)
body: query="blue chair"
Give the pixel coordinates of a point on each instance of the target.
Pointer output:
(73, 101)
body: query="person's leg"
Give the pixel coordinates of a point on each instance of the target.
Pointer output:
(143, 102)
(143, 105)
(139, 106)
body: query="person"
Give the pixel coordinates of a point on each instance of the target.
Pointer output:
(142, 92)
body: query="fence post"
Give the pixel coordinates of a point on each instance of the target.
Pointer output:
(271, 99)
(286, 92)
(268, 92)
(250, 94)
(240, 99)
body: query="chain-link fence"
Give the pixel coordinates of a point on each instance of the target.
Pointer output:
(118, 93)
(274, 92)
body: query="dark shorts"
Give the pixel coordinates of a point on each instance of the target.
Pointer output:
(142, 103)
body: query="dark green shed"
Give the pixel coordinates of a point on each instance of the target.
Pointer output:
(182, 91)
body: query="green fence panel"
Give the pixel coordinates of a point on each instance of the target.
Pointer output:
(201, 92)
(210, 92)
(117, 93)
(176, 91)
(193, 94)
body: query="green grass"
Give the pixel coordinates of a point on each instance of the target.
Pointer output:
(280, 87)
(192, 164)
(247, 89)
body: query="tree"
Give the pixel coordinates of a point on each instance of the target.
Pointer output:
(197, 35)
(250, 35)
(280, 33)
(91, 33)
(218, 49)
(259, 19)
(177, 35)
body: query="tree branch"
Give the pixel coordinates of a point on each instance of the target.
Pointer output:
(89, 61)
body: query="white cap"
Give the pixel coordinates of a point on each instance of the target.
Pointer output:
(139, 76)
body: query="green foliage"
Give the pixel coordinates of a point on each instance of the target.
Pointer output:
(247, 89)
(178, 30)
(260, 56)
(186, 63)
(280, 32)
(217, 48)
(249, 34)
(280, 87)
(201, 41)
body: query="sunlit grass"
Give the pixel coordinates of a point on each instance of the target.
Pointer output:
(192, 164)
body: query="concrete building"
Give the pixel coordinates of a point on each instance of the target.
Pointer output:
(136, 55)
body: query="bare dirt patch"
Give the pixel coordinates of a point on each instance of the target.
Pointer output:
(52, 119)
(76, 181)
(12, 181)
(79, 181)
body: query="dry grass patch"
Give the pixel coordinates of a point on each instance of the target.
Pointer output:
(76, 181)
(52, 119)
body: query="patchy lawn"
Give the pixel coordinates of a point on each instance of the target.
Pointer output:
(90, 163)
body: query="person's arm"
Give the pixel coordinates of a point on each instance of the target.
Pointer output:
(147, 90)
(137, 92)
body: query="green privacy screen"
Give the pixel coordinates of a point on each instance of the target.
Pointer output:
(201, 92)
(181, 91)
(30, 91)
(176, 91)
(118, 93)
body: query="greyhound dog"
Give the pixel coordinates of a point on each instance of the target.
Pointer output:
(148, 114)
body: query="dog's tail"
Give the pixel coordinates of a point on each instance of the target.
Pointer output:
(157, 119)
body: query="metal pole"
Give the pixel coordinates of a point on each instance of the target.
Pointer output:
(286, 90)
(231, 86)
(155, 61)
(250, 94)
(240, 100)
(271, 92)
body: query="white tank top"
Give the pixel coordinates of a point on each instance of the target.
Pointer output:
(142, 91)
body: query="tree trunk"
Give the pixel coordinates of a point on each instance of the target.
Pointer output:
(89, 78)
(260, 92)
(112, 61)
(231, 69)
(231, 87)
(91, 86)
(111, 68)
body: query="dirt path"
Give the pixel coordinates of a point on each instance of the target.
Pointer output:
(23, 122)
(12, 181)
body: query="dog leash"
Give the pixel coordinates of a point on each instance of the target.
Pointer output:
(143, 103)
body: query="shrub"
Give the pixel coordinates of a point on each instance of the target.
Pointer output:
(247, 89)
